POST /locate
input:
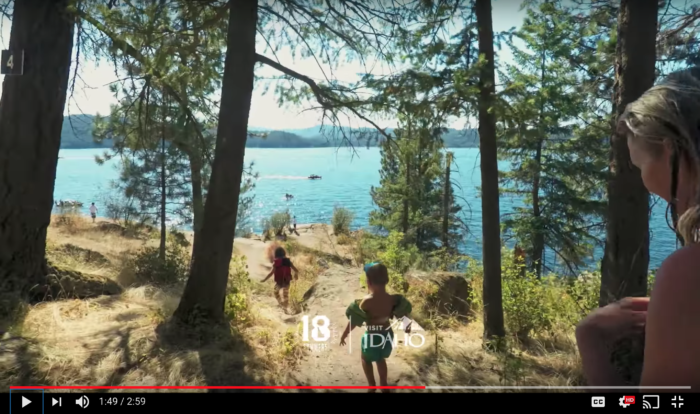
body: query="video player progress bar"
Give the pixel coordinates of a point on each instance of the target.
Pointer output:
(429, 387)
(495, 387)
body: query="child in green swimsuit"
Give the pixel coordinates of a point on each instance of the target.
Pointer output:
(376, 309)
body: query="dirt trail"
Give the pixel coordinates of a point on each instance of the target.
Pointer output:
(336, 287)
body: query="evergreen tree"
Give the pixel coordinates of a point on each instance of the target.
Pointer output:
(410, 198)
(556, 167)
(154, 173)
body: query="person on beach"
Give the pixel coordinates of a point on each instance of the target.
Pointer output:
(294, 223)
(282, 269)
(375, 310)
(662, 129)
(93, 212)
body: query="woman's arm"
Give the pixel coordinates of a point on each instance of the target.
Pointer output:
(672, 344)
(600, 330)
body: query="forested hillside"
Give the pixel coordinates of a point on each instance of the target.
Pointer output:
(77, 134)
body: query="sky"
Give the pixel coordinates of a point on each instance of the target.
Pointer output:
(92, 95)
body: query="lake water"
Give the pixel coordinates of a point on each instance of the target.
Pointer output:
(347, 179)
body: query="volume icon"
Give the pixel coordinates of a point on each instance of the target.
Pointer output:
(82, 402)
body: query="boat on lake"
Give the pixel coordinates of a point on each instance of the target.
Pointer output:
(314, 177)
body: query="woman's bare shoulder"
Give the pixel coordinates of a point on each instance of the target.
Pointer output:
(672, 328)
(681, 267)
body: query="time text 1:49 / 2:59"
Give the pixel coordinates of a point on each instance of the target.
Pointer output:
(123, 401)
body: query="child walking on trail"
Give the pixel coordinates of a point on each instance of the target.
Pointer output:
(282, 270)
(376, 310)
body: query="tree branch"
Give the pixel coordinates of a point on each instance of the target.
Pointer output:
(326, 101)
(129, 50)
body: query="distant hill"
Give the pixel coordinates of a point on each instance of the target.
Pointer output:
(77, 134)
(317, 137)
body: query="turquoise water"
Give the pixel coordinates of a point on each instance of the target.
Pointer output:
(347, 179)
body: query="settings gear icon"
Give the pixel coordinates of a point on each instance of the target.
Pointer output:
(622, 402)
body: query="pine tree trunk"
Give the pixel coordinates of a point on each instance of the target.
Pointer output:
(404, 219)
(205, 292)
(197, 193)
(446, 203)
(163, 195)
(626, 258)
(31, 117)
(538, 239)
(490, 208)
(192, 148)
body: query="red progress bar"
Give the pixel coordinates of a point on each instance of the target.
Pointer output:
(420, 387)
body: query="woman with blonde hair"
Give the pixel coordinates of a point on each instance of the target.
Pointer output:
(662, 128)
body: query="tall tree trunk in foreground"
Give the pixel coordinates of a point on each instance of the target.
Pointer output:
(206, 287)
(31, 117)
(626, 258)
(490, 209)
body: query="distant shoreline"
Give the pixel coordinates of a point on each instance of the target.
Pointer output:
(259, 147)
(77, 130)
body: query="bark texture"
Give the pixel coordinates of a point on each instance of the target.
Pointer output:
(626, 259)
(490, 207)
(31, 117)
(205, 293)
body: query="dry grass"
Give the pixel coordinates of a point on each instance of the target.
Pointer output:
(301, 288)
(454, 353)
(124, 340)
(81, 232)
(127, 339)
(459, 360)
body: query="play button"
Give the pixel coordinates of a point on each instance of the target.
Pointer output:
(26, 402)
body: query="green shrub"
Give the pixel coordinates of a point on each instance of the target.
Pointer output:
(276, 224)
(237, 306)
(539, 307)
(342, 220)
(584, 292)
(396, 255)
(525, 304)
(148, 268)
(365, 247)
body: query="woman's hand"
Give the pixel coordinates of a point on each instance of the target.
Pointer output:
(597, 333)
(616, 320)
